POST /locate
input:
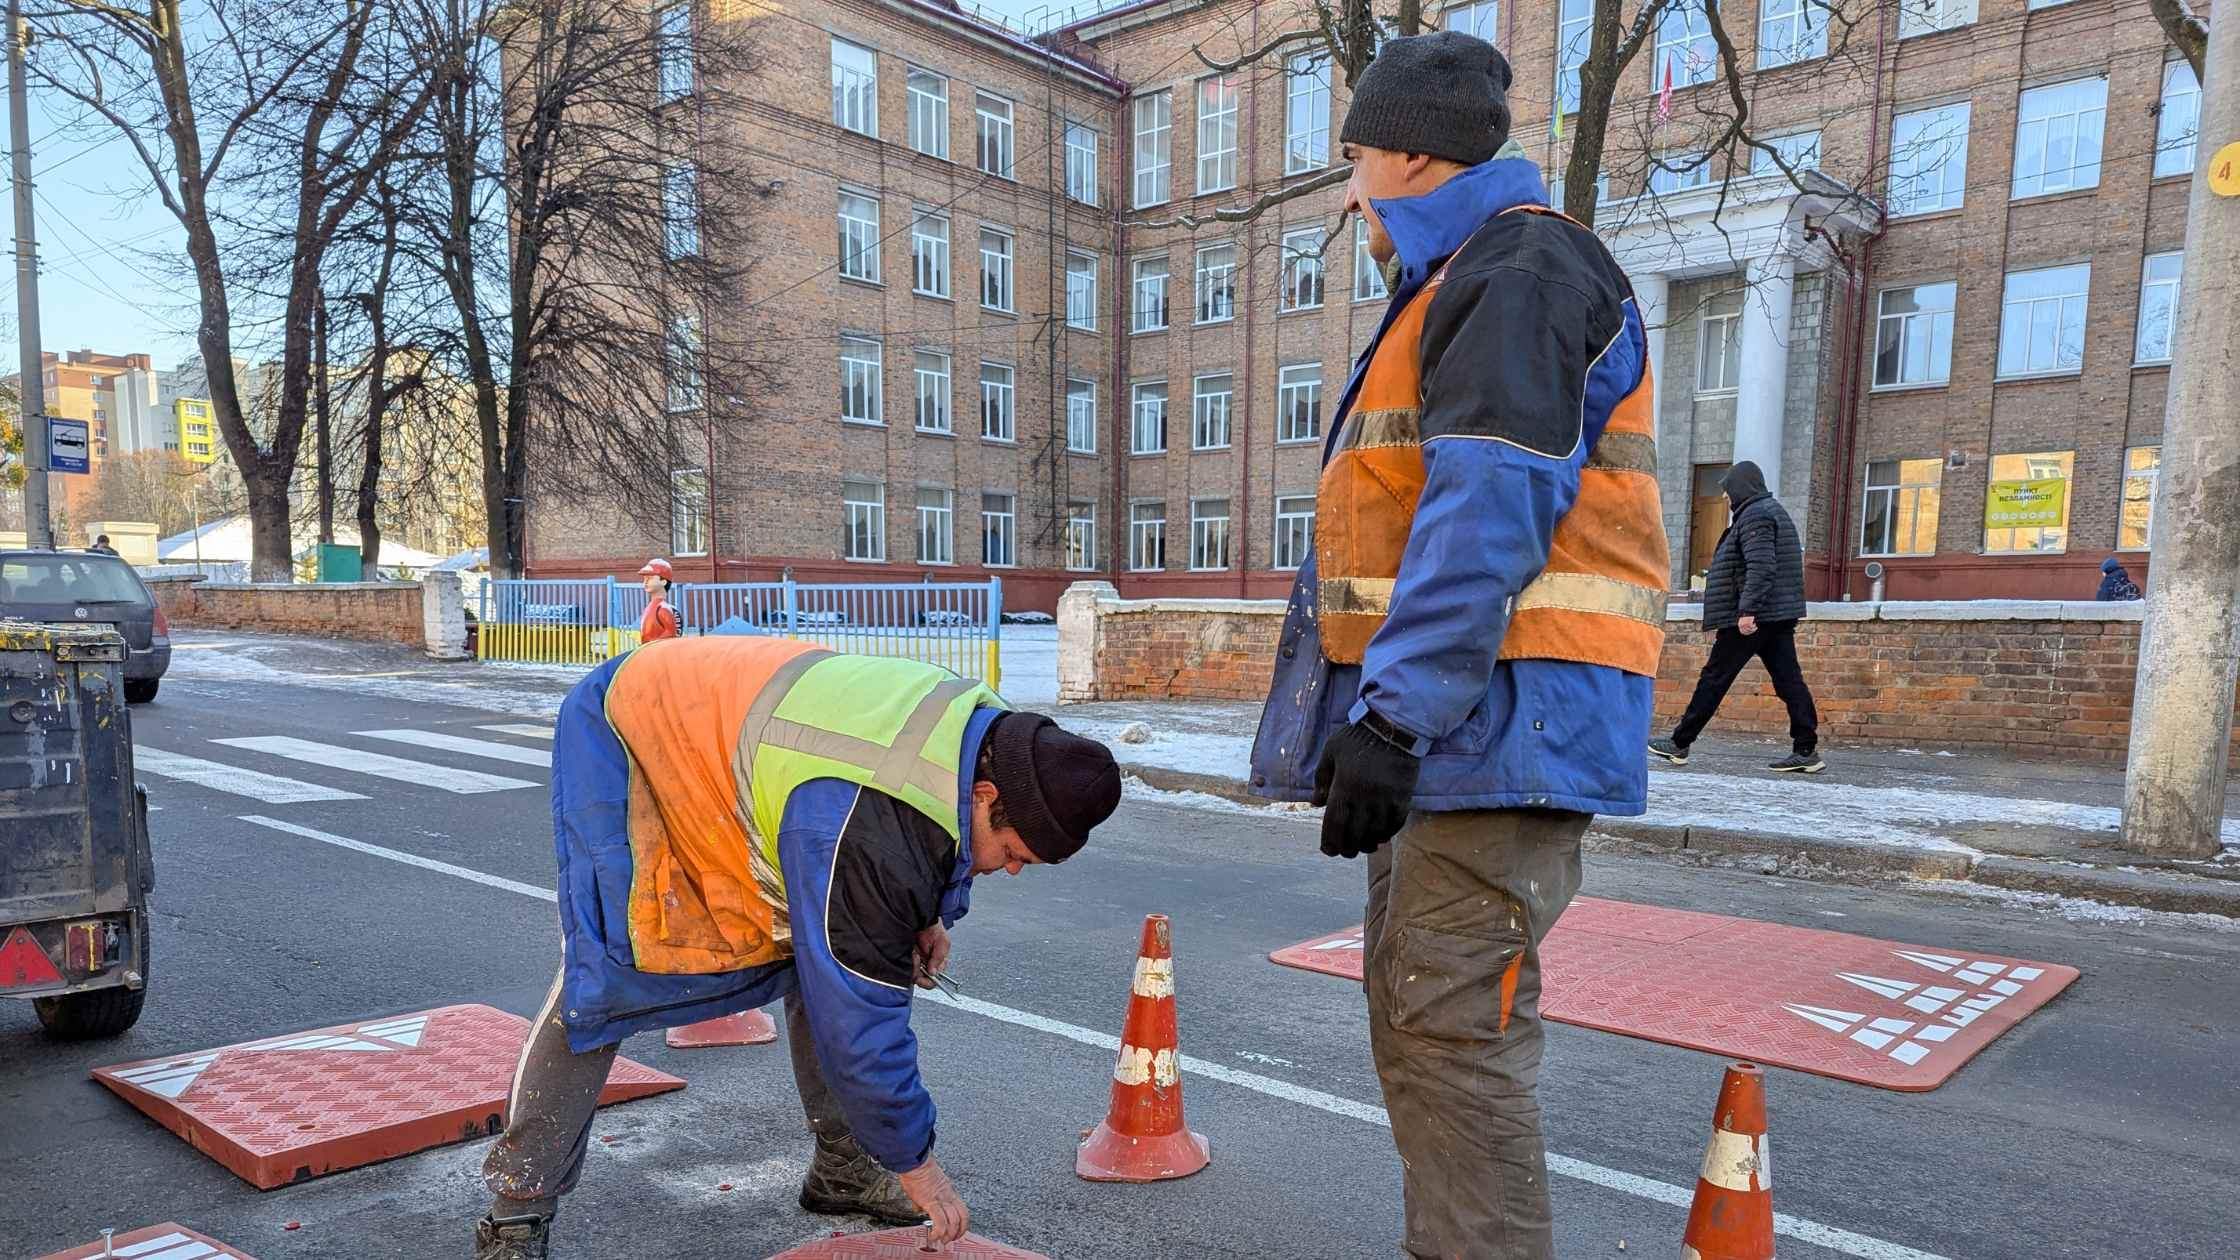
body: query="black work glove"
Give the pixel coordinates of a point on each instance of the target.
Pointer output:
(1365, 783)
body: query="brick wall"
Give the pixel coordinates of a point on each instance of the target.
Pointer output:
(387, 611)
(1163, 649)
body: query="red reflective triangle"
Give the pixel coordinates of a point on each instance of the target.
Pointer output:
(23, 963)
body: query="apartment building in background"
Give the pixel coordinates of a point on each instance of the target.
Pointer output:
(1943, 331)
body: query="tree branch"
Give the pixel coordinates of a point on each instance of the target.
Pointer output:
(1252, 210)
(2186, 30)
(1273, 46)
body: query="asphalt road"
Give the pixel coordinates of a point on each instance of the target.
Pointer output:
(2101, 1127)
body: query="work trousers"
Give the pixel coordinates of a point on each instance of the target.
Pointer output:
(556, 1092)
(1458, 905)
(1775, 644)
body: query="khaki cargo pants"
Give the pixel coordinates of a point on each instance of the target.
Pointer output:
(1458, 906)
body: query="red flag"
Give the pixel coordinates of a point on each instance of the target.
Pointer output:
(1664, 94)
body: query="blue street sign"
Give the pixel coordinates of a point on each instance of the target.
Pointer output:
(67, 443)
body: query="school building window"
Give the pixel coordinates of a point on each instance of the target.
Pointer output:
(1899, 517)
(2026, 506)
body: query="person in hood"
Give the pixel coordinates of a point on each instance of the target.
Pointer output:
(1466, 669)
(2115, 583)
(1753, 599)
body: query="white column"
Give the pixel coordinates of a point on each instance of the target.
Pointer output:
(1763, 395)
(1650, 294)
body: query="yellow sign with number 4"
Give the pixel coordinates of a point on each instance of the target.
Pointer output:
(2224, 171)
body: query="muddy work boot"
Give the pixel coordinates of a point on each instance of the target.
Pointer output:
(845, 1181)
(512, 1238)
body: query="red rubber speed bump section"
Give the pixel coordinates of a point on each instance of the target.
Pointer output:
(1143, 1136)
(1881, 1013)
(287, 1109)
(747, 1028)
(902, 1244)
(157, 1242)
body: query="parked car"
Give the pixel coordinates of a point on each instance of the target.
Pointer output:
(85, 588)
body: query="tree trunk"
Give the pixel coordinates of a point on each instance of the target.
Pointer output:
(369, 472)
(271, 533)
(326, 431)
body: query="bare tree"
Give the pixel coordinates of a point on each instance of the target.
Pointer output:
(2187, 31)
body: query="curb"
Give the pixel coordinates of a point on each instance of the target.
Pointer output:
(2145, 890)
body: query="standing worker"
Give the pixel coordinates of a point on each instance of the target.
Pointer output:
(741, 819)
(1753, 598)
(660, 621)
(1466, 667)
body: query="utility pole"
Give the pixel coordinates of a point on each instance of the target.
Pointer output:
(38, 522)
(2189, 647)
(326, 426)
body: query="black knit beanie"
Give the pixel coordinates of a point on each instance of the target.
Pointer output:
(1445, 94)
(1053, 785)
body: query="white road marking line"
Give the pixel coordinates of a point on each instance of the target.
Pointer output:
(254, 784)
(409, 859)
(379, 765)
(525, 730)
(1863, 1246)
(441, 742)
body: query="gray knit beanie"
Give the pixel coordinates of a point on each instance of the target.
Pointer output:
(1445, 94)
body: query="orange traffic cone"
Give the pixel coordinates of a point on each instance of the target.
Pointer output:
(1143, 1137)
(1732, 1217)
(747, 1028)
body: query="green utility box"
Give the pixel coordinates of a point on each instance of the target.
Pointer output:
(338, 563)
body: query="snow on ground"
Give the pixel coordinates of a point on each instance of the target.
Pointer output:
(2074, 909)
(237, 662)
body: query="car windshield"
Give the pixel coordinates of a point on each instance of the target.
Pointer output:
(67, 579)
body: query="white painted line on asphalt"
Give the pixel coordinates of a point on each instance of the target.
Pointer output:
(409, 859)
(439, 741)
(380, 765)
(525, 730)
(1863, 1246)
(254, 784)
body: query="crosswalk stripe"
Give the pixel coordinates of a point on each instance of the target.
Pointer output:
(380, 765)
(525, 730)
(439, 741)
(269, 788)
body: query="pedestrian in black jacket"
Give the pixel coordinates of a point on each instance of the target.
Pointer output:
(1753, 599)
(2116, 585)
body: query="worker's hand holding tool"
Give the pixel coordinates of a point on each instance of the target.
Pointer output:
(929, 1188)
(932, 955)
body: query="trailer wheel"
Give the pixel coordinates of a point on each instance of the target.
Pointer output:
(88, 1016)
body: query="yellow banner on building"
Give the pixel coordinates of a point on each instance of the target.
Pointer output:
(2022, 504)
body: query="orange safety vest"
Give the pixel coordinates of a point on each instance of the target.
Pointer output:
(1600, 599)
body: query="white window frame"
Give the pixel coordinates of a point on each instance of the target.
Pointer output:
(1147, 536)
(929, 252)
(675, 79)
(855, 89)
(1081, 290)
(1209, 536)
(993, 135)
(1790, 31)
(2075, 111)
(2177, 127)
(688, 512)
(2151, 346)
(1925, 326)
(1081, 538)
(1481, 18)
(680, 210)
(1081, 163)
(933, 371)
(929, 112)
(1294, 532)
(2152, 475)
(2036, 532)
(1152, 284)
(1901, 495)
(1304, 276)
(682, 347)
(1217, 97)
(1153, 114)
(1918, 188)
(859, 236)
(1671, 173)
(1212, 411)
(1927, 17)
(863, 511)
(1218, 304)
(1800, 149)
(1147, 417)
(1368, 277)
(2070, 304)
(1574, 38)
(937, 526)
(1298, 392)
(999, 530)
(1081, 416)
(999, 401)
(862, 379)
(996, 290)
(1684, 47)
(1306, 114)
(1719, 345)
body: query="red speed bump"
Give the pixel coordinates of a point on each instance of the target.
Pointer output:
(157, 1242)
(902, 1244)
(290, 1108)
(1881, 1013)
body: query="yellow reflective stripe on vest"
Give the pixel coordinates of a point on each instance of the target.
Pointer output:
(1624, 452)
(1593, 593)
(762, 850)
(1391, 426)
(1343, 595)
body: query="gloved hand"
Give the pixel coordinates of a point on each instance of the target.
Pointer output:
(1365, 783)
